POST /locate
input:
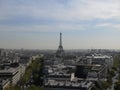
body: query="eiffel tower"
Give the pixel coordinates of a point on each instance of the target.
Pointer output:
(60, 51)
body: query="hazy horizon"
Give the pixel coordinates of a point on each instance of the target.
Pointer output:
(36, 24)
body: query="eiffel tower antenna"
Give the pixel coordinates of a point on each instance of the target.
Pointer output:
(60, 39)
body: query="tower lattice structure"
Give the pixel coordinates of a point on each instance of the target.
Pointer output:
(60, 51)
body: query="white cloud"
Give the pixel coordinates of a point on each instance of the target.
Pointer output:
(79, 9)
(74, 10)
(101, 9)
(112, 26)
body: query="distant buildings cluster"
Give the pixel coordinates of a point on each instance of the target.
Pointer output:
(80, 75)
(62, 71)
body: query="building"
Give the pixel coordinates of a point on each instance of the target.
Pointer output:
(101, 59)
(10, 75)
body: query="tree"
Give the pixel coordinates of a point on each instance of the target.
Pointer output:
(33, 87)
(13, 88)
(117, 86)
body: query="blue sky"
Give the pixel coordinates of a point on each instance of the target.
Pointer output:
(35, 24)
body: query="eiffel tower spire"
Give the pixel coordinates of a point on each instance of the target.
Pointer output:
(60, 51)
(60, 39)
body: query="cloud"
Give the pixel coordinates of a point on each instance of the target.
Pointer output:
(111, 26)
(60, 12)
(43, 28)
(52, 9)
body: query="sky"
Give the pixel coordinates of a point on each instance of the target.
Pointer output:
(36, 24)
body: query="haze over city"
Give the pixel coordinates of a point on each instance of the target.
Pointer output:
(36, 24)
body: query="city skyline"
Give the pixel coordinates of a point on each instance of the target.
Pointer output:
(85, 24)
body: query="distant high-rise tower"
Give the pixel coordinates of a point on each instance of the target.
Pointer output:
(60, 51)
